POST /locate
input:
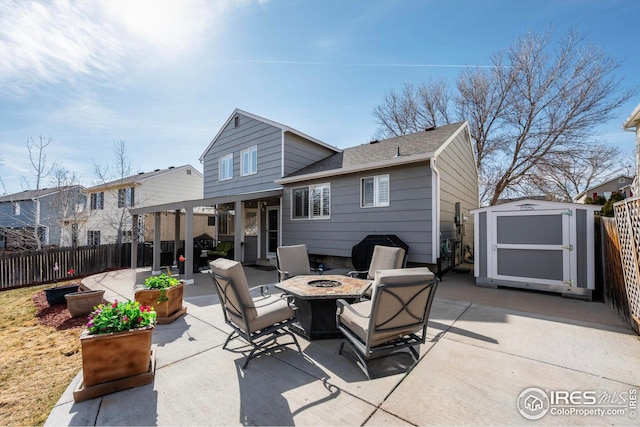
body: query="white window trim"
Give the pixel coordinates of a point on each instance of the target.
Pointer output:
(376, 191)
(248, 152)
(225, 159)
(310, 215)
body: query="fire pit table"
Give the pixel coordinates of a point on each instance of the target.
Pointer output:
(315, 297)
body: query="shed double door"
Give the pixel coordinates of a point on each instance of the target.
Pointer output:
(533, 246)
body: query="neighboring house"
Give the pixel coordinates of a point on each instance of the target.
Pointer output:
(633, 123)
(620, 184)
(273, 185)
(107, 220)
(21, 213)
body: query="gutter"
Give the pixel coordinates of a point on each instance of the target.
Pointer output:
(435, 211)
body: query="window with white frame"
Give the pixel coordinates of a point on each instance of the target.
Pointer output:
(15, 208)
(226, 167)
(249, 161)
(311, 202)
(374, 191)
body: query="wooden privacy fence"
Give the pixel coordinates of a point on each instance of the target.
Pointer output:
(627, 215)
(35, 267)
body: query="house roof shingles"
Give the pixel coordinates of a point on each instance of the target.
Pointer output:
(427, 141)
(33, 194)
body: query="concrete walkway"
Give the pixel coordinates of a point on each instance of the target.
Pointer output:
(486, 346)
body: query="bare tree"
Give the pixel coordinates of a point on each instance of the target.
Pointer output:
(68, 204)
(121, 170)
(534, 110)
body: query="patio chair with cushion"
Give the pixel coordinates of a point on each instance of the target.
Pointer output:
(395, 318)
(258, 320)
(384, 258)
(293, 261)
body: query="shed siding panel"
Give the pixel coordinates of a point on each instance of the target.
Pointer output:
(581, 247)
(458, 183)
(408, 216)
(482, 250)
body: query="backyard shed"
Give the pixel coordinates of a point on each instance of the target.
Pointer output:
(535, 244)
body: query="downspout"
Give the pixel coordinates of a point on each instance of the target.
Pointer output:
(435, 210)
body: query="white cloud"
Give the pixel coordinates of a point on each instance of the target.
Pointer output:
(52, 43)
(60, 41)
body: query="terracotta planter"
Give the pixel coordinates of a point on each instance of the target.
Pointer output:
(111, 357)
(55, 295)
(170, 309)
(82, 303)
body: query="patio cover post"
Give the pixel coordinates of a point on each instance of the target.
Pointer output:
(188, 245)
(176, 235)
(156, 243)
(134, 241)
(238, 232)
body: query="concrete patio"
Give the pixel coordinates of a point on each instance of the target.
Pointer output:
(485, 347)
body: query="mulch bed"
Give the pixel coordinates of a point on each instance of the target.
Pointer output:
(57, 315)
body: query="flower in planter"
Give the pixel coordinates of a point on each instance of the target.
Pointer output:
(182, 258)
(71, 272)
(161, 282)
(119, 317)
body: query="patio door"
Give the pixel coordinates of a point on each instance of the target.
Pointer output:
(533, 246)
(272, 231)
(250, 235)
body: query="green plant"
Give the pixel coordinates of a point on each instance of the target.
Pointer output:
(120, 316)
(161, 282)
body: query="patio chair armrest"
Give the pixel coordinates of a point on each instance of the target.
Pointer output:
(264, 289)
(282, 274)
(343, 304)
(272, 299)
(357, 273)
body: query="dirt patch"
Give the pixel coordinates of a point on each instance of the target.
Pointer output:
(57, 315)
(39, 355)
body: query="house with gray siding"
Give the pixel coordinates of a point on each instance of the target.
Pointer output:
(408, 186)
(273, 185)
(21, 213)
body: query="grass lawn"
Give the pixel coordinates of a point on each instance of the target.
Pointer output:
(37, 362)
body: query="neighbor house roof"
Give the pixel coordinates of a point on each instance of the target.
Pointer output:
(34, 194)
(414, 147)
(283, 128)
(633, 120)
(590, 189)
(140, 177)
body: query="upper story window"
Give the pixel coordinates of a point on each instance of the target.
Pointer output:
(97, 201)
(311, 202)
(374, 191)
(621, 180)
(126, 197)
(249, 161)
(226, 167)
(15, 208)
(236, 121)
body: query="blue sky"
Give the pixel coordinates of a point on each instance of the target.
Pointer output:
(164, 76)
